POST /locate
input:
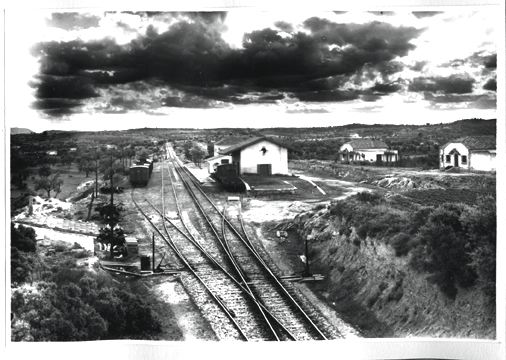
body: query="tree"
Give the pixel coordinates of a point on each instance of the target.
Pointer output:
(480, 224)
(197, 154)
(445, 249)
(114, 237)
(49, 183)
(187, 145)
(44, 171)
(111, 169)
(210, 149)
(23, 246)
(23, 238)
(19, 170)
(143, 154)
(110, 213)
(85, 164)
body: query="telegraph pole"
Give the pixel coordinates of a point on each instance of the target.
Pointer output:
(307, 271)
(112, 183)
(153, 253)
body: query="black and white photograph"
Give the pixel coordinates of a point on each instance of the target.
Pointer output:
(253, 175)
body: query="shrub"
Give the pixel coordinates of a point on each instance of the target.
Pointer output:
(23, 238)
(369, 197)
(401, 243)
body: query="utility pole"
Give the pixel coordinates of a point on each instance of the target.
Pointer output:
(112, 183)
(307, 271)
(96, 172)
(153, 253)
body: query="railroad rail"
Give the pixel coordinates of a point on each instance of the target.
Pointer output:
(250, 267)
(274, 328)
(233, 297)
(215, 297)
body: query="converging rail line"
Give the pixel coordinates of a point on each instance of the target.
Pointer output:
(227, 278)
(250, 269)
(233, 297)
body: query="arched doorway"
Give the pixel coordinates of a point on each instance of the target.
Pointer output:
(456, 155)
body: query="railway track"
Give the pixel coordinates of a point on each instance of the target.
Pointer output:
(278, 298)
(227, 278)
(228, 304)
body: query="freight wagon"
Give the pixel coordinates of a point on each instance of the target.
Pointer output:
(228, 176)
(147, 162)
(139, 174)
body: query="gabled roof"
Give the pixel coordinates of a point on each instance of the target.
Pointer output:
(216, 157)
(486, 142)
(232, 140)
(249, 142)
(367, 144)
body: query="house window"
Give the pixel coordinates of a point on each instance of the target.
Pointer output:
(442, 158)
(464, 159)
(448, 158)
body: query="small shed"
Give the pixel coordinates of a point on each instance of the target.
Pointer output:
(132, 245)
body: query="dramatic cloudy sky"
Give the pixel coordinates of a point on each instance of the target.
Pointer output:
(250, 68)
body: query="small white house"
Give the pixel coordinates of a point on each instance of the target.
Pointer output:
(259, 155)
(469, 153)
(367, 150)
(52, 152)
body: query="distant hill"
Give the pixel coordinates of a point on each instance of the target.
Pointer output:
(16, 131)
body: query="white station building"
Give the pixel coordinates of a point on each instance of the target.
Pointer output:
(469, 153)
(255, 155)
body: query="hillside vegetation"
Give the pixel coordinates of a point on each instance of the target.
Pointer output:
(396, 268)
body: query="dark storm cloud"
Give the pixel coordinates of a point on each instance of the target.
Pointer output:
(477, 101)
(374, 93)
(385, 88)
(187, 101)
(423, 14)
(490, 61)
(491, 85)
(48, 104)
(70, 87)
(454, 84)
(192, 57)
(328, 95)
(418, 66)
(57, 107)
(73, 21)
(283, 25)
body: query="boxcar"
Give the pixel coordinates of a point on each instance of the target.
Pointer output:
(228, 176)
(139, 175)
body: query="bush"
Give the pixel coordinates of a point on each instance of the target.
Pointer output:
(446, 249)
(369, 197)
(75, 305)
(23, 238)
(401, 243)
